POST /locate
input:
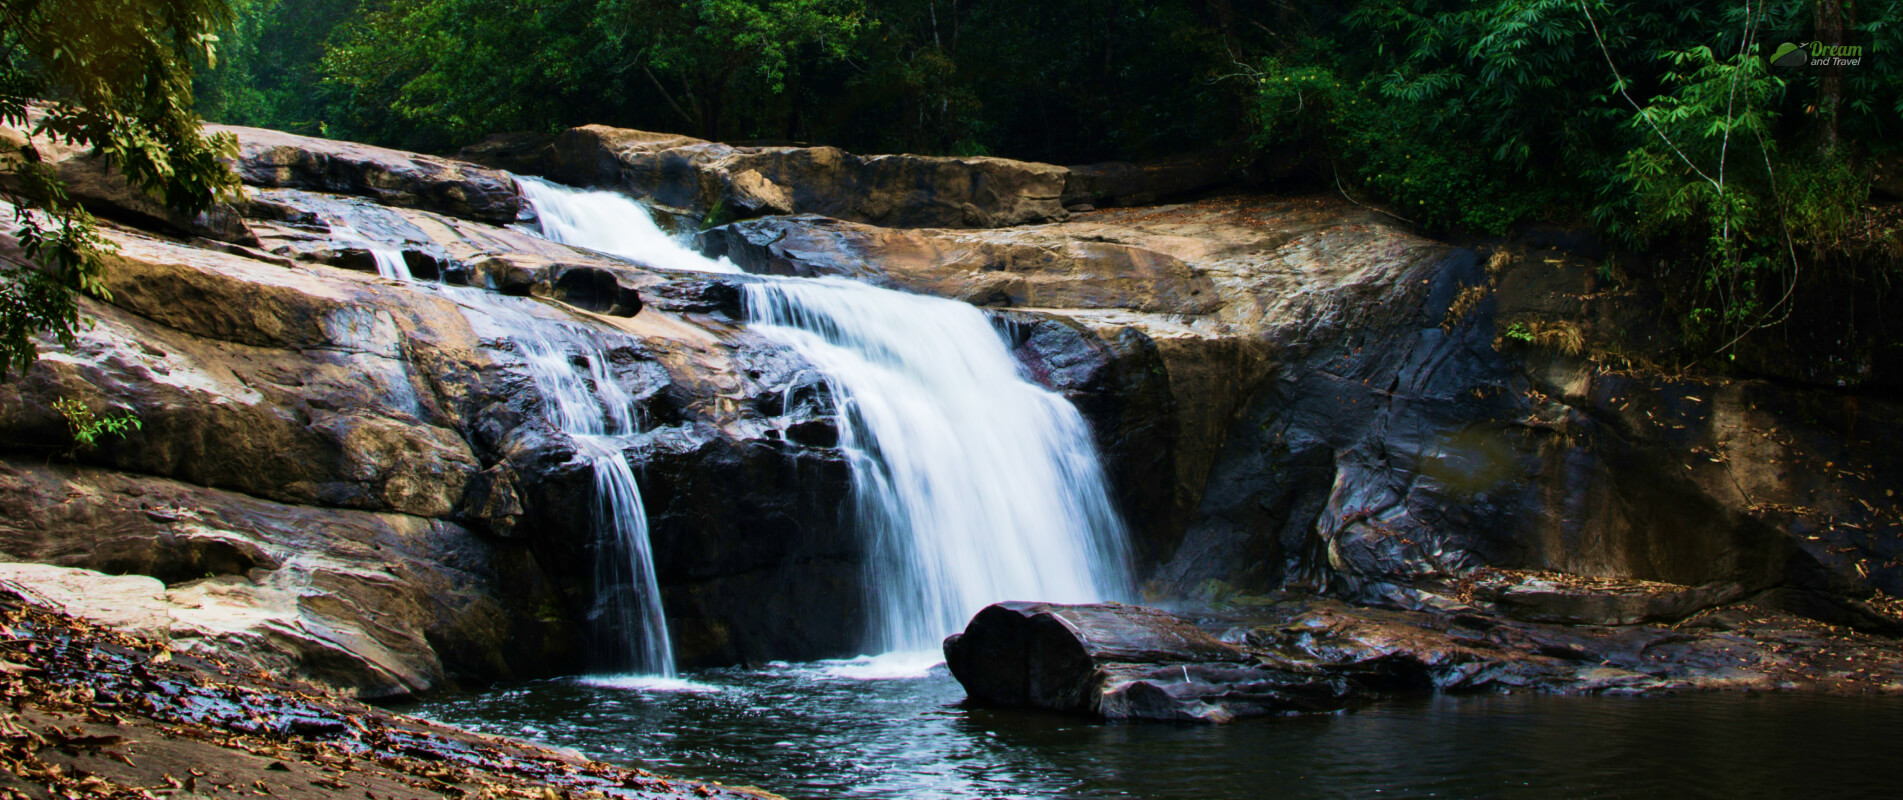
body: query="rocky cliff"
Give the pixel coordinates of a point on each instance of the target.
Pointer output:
(353, 478)
(1301, 393)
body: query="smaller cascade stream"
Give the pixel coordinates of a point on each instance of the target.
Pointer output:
(390, 263)
(585, 402)
(570, 370)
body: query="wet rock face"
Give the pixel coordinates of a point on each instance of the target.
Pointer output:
(371, 495)
(708, 179)
(1117, 662)
(1336, 405)
(1391, 456)
(751, 531)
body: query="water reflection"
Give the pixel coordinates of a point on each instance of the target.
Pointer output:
(806, 732)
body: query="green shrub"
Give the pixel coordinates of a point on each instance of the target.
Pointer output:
(87, 427)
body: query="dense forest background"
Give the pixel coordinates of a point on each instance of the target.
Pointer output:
(1660, 125)
(1764, 194)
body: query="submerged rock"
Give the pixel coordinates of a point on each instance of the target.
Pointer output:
(1122, 662)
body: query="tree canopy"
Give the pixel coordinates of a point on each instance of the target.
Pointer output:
(114, 76)
(1659, 124)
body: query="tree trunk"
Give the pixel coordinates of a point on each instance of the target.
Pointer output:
(1830, 85)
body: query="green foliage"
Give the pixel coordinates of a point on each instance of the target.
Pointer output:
(1060, 79)
(87, 427)
(434, 74)
(1709, 170)
(705, 55)
(62, 249)
(117, 78)
(1377, 143)
(1661, 122)
(267, 73)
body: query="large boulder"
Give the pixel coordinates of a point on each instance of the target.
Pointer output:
(378, 604)
(411, 180)
(298, 386)
(1288, 654)
(1122, 662)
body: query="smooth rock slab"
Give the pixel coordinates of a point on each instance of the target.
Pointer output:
(392, 177)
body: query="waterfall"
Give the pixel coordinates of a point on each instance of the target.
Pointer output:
(976, 485)
(610, 223)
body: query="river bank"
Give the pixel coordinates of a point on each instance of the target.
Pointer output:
(97, 713)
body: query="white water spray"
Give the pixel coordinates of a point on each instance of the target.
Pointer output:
(976, 485)
(610, 223)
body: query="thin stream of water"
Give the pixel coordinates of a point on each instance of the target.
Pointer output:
(571, 371)
(390, 263)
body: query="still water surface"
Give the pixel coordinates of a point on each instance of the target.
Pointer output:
(817, 731)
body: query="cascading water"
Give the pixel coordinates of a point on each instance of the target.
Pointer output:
(390, 263)
(610, 223)
(976, 485)
(582, 398)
